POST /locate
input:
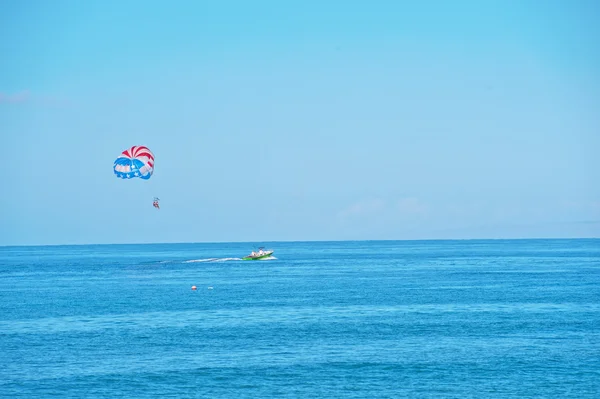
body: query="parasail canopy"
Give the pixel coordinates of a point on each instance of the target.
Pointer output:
(137, 161)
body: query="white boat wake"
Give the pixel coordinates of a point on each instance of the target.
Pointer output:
(211, 260)
(214, 260)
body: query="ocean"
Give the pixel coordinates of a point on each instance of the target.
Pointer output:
(356, 319)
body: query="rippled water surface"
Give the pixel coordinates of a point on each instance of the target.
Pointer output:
(377, 319)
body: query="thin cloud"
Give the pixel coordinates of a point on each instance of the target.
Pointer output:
(15, 98)
(587, 209)
(404, 208)
(362, 208)
(411, 206)
(38, 100)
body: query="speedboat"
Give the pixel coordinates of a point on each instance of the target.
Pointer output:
(260, 254)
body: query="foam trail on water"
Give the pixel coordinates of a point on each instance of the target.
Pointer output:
(211, 260)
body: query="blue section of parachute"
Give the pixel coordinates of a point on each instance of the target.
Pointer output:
(134, 169)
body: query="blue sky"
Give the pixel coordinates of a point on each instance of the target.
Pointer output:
(299, 120)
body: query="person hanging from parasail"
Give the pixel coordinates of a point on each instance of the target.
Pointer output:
(155, 203)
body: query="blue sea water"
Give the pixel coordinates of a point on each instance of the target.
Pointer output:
(371, 319)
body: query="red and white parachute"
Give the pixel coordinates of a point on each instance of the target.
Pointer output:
(137, 161)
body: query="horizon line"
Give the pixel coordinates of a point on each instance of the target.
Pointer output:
(305, 241)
